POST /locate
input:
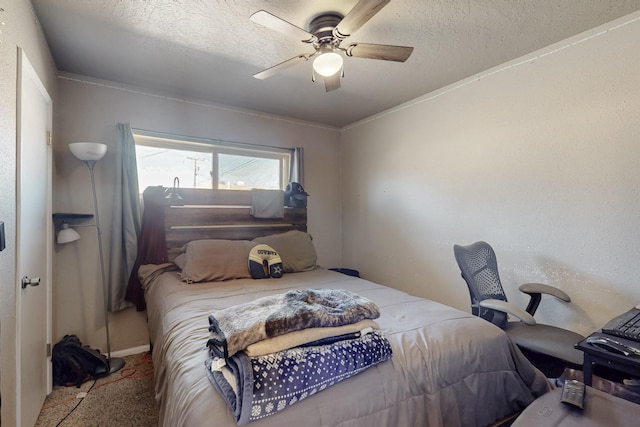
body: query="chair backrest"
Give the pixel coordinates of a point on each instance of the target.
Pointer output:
(479, 269)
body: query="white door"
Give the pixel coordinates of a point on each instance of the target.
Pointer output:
(33, 244)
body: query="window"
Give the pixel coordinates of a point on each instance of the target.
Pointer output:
(209, 164)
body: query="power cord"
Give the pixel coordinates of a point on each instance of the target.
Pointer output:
(144, 362)
(80, 399)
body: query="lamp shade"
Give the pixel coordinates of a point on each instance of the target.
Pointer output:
(327, 64)
(86, 151)
(67, 234)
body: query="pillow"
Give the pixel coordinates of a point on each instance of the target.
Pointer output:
(179, 260)
(295, 248)
(214, 260)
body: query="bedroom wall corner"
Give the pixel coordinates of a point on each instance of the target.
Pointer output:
(539, 157)
(89, 110)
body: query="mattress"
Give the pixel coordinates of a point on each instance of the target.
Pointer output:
(448, 367)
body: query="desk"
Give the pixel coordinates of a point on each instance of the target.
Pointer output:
(595, 355)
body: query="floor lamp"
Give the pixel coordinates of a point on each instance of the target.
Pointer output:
(90, 153)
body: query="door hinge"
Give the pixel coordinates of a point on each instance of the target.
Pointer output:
(48, 349)
(49, 138)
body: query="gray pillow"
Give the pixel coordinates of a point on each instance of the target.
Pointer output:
(294, 247)
(214, 260)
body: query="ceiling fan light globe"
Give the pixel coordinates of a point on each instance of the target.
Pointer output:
(327, 64)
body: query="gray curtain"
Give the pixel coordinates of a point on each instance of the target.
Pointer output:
(126, 219)
(296, 168)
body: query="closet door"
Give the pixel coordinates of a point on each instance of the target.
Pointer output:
(33, 244)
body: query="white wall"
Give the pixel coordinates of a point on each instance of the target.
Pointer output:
(89, 111)
(540, 157)
(18, 28)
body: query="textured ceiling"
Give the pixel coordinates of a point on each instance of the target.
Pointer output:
(209, 49)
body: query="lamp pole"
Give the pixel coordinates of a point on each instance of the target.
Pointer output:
(115, 364)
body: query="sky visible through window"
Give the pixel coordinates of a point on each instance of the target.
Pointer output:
(194, 169)
(242, 172)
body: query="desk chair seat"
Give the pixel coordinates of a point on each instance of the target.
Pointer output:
(479, 269)
(548, 340)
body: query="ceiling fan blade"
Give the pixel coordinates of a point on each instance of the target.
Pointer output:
(358, 16)
(379, 51)
(332, 82)
(281, 66)
(269, 20)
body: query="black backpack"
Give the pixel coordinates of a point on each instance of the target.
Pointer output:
(74, 363)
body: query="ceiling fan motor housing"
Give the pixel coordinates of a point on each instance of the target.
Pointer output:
(322, 27)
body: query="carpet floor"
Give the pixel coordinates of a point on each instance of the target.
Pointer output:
(124, 398)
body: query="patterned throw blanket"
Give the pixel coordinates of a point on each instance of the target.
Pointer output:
(235, 328)
(257, 387)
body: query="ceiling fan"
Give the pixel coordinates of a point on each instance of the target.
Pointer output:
(325, 34)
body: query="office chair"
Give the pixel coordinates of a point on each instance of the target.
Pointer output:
(549, 348)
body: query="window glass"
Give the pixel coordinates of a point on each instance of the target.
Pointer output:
(246, 172)
(208, 165)
(159, 165)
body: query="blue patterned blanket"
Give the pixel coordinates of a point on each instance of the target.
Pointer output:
(257, 387)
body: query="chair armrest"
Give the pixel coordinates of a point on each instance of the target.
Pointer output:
(535, 291)
(499, 305)
(539, 288)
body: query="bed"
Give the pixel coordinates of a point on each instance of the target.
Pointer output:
(448, 368)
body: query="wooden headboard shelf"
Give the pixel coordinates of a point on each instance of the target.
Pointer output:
(205, 214)
(222, 214)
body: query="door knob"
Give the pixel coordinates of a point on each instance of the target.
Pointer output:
(33, 281)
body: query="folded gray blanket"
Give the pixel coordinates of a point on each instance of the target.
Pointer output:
(235, 328)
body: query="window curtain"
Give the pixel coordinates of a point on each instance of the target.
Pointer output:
(296, 168)
(126, 219)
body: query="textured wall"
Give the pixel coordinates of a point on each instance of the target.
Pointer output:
(18, 28)
(89, 111)
(539, 157)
